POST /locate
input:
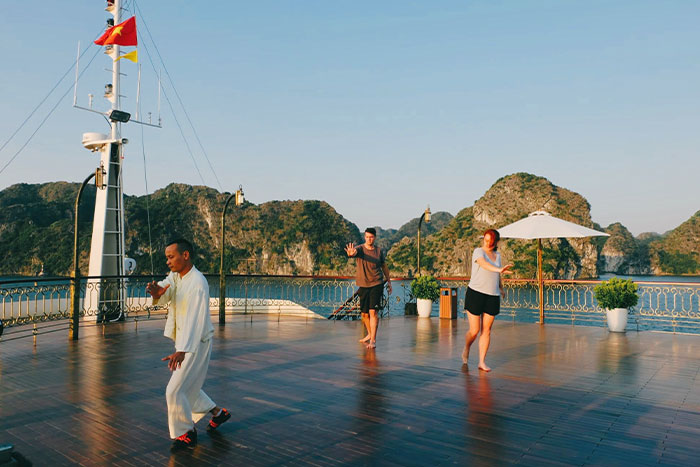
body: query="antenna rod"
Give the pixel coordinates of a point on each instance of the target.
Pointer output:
(75, 88)
(159, 91)
(115, 74)
(138, 91)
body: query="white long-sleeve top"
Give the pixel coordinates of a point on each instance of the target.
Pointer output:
(188, 321)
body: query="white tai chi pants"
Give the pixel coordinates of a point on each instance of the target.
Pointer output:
(187, 403)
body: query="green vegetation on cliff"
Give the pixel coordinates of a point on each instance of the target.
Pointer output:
(387, 238)
(278, 237)
(307, 237)
(678, 251)
(621, 253)
(448, 252)
(36, 227)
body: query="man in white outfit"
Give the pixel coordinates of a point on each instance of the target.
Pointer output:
(189, 325)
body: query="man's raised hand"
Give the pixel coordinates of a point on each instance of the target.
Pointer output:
(350, 249)
(155, 289)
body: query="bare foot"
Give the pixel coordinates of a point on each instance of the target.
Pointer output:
(484, 367)
(465, 355)
(372, 345)
(364, 339)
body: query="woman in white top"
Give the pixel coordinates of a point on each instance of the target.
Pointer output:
(483, 298)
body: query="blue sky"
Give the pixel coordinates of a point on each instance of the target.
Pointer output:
(382, 107)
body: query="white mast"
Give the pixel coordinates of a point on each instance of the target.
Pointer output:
(107, 255)
(106, 292)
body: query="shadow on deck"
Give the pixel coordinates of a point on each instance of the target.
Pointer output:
(305, 392)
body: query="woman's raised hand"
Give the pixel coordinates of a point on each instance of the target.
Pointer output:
(506, 269)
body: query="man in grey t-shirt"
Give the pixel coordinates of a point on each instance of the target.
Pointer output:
(372, 272)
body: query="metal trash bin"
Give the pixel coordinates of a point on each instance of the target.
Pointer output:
(410, 309)
(448, 303)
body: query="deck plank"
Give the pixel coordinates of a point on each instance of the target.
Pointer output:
(304, 392)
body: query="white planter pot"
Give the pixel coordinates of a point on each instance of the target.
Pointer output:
(617, 319)
(424, 306)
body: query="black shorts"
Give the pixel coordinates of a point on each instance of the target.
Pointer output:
(478, 303)
(370, 298)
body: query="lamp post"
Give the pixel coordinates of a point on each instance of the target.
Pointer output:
(75, 277)
(426, 216)
(238, 196)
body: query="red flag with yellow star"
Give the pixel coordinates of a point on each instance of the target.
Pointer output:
(121, 34)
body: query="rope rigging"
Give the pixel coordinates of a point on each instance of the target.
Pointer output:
(41, 103)
(131, 7)
(47, 115)
(148, 197)
(177, 94)
(177, 122)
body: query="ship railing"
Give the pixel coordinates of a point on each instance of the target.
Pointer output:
(30, 306)
(663, 306)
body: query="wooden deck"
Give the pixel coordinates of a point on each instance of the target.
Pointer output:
(305, 392)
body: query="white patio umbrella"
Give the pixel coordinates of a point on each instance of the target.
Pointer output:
(539, 225)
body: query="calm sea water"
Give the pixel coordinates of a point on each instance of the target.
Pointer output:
(695, 279)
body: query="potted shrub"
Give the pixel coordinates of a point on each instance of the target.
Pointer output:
(616, 296)
(426, 290)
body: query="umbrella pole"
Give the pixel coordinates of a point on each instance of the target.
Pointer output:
(540, 279)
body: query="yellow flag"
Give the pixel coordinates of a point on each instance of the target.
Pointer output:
(133, 56)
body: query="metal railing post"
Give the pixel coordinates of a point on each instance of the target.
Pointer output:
(238, 195)
(426, 216)
(75, 277)
(540, 280)
(419, 224)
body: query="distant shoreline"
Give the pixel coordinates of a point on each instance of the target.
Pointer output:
(636, 278)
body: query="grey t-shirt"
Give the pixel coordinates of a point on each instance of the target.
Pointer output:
(484, 281)
(369, 266)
